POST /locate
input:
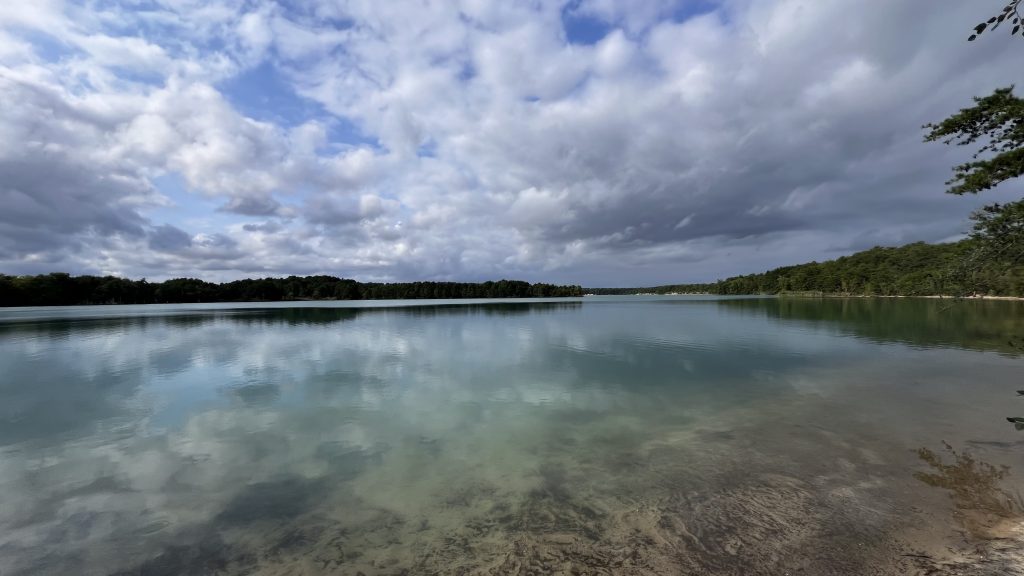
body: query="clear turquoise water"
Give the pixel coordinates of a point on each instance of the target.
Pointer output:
(608, 435)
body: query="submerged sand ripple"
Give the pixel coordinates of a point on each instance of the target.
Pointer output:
(672, 509)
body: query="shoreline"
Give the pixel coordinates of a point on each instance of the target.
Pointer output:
(929, 297)
(828, 295)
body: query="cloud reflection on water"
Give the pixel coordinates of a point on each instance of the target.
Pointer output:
(191, 427)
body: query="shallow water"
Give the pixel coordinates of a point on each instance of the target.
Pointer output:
(607, 435)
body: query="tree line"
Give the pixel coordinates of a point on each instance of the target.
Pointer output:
(61, 289)
(917, 269)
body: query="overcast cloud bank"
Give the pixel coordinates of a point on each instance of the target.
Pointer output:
(590, 141)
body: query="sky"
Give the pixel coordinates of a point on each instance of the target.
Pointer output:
(592, 142)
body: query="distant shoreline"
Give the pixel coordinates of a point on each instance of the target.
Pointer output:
(666, 294)
(62, 289)
(930, 297)
(828, 295)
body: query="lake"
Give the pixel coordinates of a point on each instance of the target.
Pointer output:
(604, 435)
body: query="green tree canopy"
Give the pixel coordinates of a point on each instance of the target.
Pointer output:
(996, 124)
(999, 230)
(916, 269)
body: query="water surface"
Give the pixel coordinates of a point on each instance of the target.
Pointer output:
(608, 435)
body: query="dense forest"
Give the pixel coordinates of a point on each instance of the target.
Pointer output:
(666, 289)
(59, 289)
(913, 270)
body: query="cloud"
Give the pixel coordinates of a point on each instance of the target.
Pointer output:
(167, 238)
(467, 140)
(267, 227)
(266, 206)
(59, 193)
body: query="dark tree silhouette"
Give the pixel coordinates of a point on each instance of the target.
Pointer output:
(1010, 14)
(63, 289)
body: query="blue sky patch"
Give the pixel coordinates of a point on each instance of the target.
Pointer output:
(583, 29)
(190, 208)
(687, 10)
(48, 47)
(262, 93)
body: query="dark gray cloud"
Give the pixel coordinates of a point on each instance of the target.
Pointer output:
(268, 227)
(51, 191)
(249, 206)
(167, 238)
